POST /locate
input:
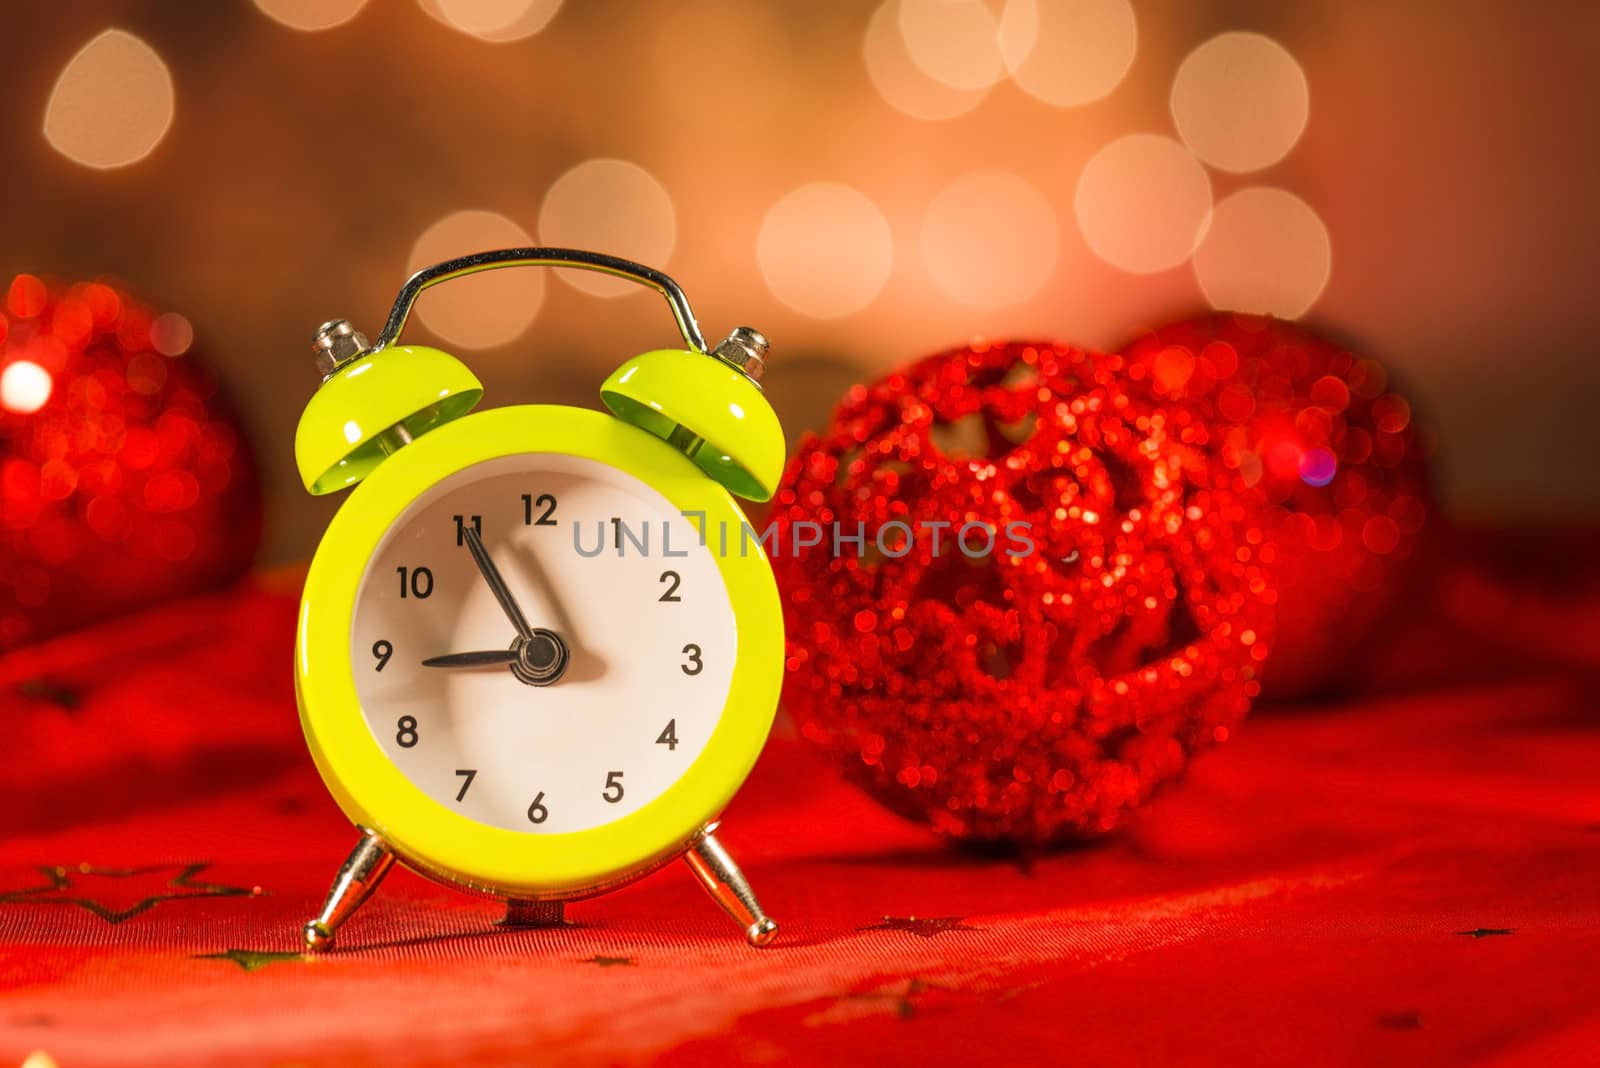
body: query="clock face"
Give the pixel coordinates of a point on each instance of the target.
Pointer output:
(623, 679)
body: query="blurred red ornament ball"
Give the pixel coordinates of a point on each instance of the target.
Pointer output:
(1002, 691)
(1334, 455)
(124, 477)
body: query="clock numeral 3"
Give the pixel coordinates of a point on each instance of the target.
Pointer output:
(382, 650)
(671, 592)
(467, 774)
(537, 813)
(406, 732)
(669, 735)
(461, 527)
(415, 582)
(613, 782)
(547, 518)
(695, 664)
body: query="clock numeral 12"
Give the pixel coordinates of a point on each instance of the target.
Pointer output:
(461, 527)
(546, 518)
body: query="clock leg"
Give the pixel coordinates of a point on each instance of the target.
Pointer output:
(726, 884)
(365, 868)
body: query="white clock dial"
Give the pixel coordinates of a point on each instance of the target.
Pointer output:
(590, 553)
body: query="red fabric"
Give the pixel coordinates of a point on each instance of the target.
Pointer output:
(1300, 899)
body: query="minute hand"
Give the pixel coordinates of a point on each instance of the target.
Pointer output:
(497, 584)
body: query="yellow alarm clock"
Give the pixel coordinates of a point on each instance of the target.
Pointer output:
(539, 648)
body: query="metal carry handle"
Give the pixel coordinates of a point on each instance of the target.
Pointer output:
(539, 257)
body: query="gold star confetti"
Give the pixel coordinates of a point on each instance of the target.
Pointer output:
(903, 1002)
(117, 894)
(923, 926)
(51, 692)
(253, 960)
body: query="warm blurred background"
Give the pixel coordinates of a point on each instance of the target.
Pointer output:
(864, 182)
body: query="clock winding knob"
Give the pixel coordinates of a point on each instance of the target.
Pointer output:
(336, 344)
(745, 348)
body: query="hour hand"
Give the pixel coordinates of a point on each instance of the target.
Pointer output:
(538, 659)
(477, 658)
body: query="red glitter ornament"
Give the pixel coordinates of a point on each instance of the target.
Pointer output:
(1004, 682)
(123, 476)
(1333, 454)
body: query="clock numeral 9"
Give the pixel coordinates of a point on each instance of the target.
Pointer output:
(461, 527)
(613, 782)
(415, 582)
(671, 592)
(537, 813)
(546, 518)
(382, 650)
(695, 665)
(669, 735)
(406, 732)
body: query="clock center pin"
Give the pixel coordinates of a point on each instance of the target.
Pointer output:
(541, 657)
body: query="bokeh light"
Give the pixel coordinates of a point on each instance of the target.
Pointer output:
(496, 21)
(825, 250)
(485, 309)
(111, 104)
(955, 42)
(26, 296)
(24, 387)
(1318, 466)
(613, 205)
(1143, 202)
(1068, 52)
(990, 239)
(1266, 252)
(171, 334)
(898, 79)
(1240, 101)
(311, 15)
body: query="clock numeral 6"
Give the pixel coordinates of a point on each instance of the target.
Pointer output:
(537, 813)
(382, 650)
(406, 732)
(546, 518)
(613, 782)
(695, 665)
(669, 735)
(671, 593)
(415, 582)
(461, 527)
